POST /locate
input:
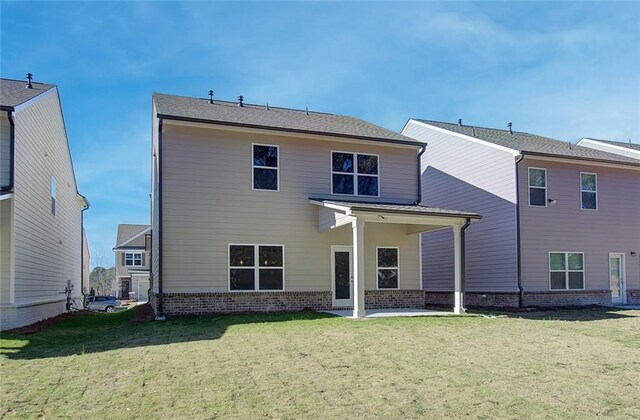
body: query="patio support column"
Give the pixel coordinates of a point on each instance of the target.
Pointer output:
(358, 268)
(458, 294)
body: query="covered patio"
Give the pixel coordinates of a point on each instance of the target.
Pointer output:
(415, 219)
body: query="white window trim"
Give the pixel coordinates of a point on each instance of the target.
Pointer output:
(387, 268)
(566, 270)
(133, 259)
(596, 191)
(355, 173)
(256, 269)
(253, 166)
(546, 183)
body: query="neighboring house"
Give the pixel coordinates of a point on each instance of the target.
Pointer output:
(132, 262)
(560, 222)
(617, 147)
(40, 207)
(257, 208)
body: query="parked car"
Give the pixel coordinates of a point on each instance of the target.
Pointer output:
(103, 303)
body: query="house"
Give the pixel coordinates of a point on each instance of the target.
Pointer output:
(132, 262)
(617, 147)
(560, 221)
(41, 211)
(258, 208)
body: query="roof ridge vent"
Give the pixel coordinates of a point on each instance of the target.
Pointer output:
(510, 126)
(29, 78)
(240, 101)
(210, 96)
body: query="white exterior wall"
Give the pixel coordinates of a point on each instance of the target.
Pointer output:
(466, 175)
(208, 203)
(47, 248)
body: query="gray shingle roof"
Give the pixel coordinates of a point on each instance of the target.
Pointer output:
(531, 143)
(15, 92)
(633, 146)
(126, 232)
(228, 113)
(398, 208)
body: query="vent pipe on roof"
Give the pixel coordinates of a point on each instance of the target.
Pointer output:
(267, 107)
(240, 101)
(570, 145)
(210, 96)
(510, 125)
(29, 77)
(459, 121)
(306, 110)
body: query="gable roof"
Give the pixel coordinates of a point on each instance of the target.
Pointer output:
(272, 118)
(532, 144)
(128, 232)
(629, 145)
(15, 92)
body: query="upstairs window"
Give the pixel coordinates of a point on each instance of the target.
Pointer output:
(388, 268)
(538, 187)
(354, 174)
(256, 267)
(133, 259)
(53, 195)
(588, 191)
(566, 270)
(265, 167)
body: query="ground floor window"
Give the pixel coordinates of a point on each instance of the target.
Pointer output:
(566, 270)
(256, 267)
(388, 268)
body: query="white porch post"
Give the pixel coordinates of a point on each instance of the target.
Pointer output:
(358, 268)
(458, 307)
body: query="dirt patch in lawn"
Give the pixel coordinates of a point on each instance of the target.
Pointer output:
(46, 323)
(144, 313)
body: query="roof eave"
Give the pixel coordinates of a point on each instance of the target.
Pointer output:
(551, 155)
(289, 130)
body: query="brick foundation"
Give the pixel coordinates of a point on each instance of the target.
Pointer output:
(211, 303)
(568, 298)
(390, 299)
(474, 299)
(633, 297)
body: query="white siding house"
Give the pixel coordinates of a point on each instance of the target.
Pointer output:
(40, 207)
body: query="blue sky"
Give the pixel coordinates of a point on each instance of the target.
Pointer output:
(564, 70)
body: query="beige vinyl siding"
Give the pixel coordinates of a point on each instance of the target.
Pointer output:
(47, 247)
(465, 175)
(565, 227)
(5, 149)
(209, 203)
(6, 226)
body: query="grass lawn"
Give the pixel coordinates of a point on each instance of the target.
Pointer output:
(566, 364)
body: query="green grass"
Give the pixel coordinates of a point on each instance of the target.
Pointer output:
(569, 364)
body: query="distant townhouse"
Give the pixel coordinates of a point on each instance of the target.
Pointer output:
(41, 210)
(560, 221)
(132, 262)
(258, 208)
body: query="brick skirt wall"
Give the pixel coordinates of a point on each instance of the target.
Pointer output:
(390, 299)
(633, 297)
(474, 299)
(568, 298)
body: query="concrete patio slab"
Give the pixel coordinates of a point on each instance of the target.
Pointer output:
(386, 313)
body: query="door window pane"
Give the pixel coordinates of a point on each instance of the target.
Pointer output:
(342, 275)
(614, 275)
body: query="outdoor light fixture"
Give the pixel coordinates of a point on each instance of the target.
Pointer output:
(552, 201)
(382, 217)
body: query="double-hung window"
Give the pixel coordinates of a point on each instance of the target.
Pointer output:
(537, 187)
(355, 174)
(566, 270)
(132, 259)
(265, 167)
(388, 267)
(588, 191)
(256, 267)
